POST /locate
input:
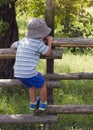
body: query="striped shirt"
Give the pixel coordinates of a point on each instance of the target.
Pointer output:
(27, 56)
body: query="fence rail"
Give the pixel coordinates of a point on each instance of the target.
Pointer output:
(70, 76)
(10, 54)
(14, 83)
(73, 42)
(26, 118)
(70, 109)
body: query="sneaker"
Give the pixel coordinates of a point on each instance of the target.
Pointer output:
(43, 106)
(33, 106)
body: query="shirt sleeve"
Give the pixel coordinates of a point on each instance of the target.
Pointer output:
(42, 48)
(15, 44)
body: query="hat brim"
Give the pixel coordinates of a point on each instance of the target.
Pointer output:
(32, 33)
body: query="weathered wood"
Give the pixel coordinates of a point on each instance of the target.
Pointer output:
(49, 18)
(27, 118)
(73, 42)
(7, 83)
(57, 42)
(44, 118)
(70, 76)
(70, 109)
(51, 79)
(10, 54)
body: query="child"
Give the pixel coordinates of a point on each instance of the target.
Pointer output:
(27, 57)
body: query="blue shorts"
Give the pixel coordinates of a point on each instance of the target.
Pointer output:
(36, 81)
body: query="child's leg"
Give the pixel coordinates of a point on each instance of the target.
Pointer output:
(32, 94)
(43, 97)
(43, 93)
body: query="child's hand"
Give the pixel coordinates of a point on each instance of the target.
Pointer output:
(49, 39)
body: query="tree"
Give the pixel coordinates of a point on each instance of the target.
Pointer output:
(8, 34)
(32, 8)
(73, 16)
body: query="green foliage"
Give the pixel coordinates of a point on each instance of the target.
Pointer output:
(71, 14)
(22, 25)
(3, 27)
(32, 8)
(76, 21)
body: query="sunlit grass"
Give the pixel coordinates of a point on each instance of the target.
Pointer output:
(74, 63)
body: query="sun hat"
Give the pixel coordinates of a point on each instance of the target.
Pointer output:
(37, 28)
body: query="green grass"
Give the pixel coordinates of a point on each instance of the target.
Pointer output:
(75, 91)
(74, 63)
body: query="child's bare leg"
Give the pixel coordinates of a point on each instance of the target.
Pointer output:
(32, 94)
(43, 93)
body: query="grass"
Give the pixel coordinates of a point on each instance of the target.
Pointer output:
(74, 63)
(75, 91)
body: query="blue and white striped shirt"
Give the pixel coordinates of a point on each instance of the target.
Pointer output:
(27, 56)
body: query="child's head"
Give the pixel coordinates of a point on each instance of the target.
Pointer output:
(37, 28)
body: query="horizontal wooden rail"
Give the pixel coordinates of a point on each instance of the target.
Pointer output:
(27, 118)
(57, 42)
(10, 54)
(73, 42)
(51, 79)
(7, 83)
(43, 117)
(70, 109)
(70, 76)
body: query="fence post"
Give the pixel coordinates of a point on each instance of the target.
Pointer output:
(49, 18)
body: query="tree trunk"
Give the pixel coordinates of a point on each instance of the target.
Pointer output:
(8, 36)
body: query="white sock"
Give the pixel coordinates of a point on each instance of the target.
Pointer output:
(33, 102)
(43, 102)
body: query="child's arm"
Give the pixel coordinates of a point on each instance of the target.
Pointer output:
(14, 45)
(48, 42)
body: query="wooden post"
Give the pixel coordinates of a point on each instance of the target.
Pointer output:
(49, 18)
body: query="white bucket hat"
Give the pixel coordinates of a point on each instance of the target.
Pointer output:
(37, 28)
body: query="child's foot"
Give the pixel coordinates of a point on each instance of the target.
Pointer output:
(34, 106)
(43, 106)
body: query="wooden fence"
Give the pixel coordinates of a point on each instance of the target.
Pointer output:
(53, 81)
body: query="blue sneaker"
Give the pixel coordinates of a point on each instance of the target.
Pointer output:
(33, 106)
(43, 106)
